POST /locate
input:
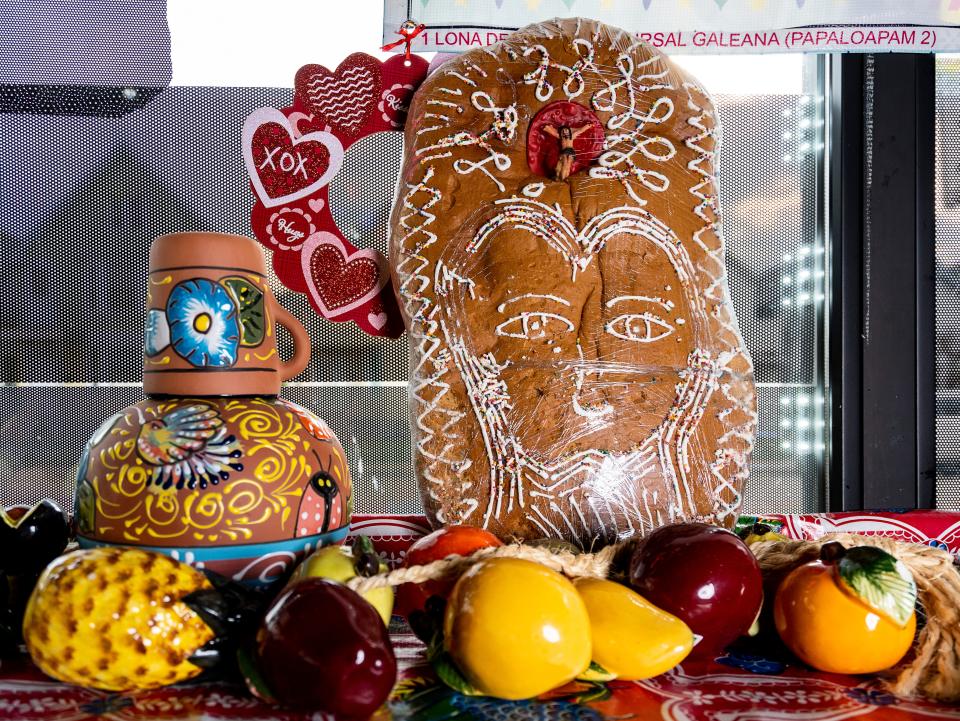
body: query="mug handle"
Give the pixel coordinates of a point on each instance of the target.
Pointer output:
(301, 342)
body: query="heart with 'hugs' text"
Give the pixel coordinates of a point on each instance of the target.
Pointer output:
(339, 278)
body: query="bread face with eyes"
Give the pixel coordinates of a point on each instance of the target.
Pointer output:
(577, 368)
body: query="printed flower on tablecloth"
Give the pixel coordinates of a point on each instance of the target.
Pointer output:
(203, 323)
(871, 696)
(494, 709)
(752, 663)
(107, 705)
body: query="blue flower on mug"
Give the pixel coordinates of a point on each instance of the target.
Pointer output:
(203, 323)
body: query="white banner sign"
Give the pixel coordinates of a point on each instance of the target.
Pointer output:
(698, 26)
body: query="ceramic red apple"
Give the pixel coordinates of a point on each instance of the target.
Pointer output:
(705, 576)
(323, 648)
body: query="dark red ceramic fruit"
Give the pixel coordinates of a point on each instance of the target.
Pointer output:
(705, 576)
(321, 647)
(31, 537)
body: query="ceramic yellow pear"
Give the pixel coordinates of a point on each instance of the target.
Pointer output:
(516, 629)
(632, 638)
(114, 619)
(337, 564)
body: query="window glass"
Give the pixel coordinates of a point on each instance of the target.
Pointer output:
(86, 195)
(772, 193)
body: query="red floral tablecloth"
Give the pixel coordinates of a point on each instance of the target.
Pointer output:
(755, 683)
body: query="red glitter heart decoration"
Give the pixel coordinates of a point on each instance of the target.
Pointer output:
(294, 221)
(341, 278)
(344, 98)
(285, 168)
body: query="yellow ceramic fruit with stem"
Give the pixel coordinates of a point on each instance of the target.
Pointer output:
(759, 532)
(341, 563)
(850, 612)
(632, 638)
(516, 629)
(122, 618)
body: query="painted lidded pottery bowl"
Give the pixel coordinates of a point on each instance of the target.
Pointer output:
(213, 468)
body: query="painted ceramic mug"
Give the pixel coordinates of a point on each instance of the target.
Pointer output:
(210, 320)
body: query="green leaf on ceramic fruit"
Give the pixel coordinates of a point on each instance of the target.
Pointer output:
(249, 301)
(446, 669)
(596, 672)
(252, 676)
(595, 693)
(881, 581)
(448, 672)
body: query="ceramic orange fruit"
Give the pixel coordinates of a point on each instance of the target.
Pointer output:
(851, 612)
(515, 629)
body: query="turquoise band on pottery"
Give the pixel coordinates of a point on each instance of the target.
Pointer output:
(202, 554)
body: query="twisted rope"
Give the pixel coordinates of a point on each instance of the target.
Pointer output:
(574, 565)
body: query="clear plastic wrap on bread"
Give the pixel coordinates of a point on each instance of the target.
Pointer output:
(576, 366)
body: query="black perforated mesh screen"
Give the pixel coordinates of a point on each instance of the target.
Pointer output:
(771, 193)
(948, 281)
(96, 57)
(81, 198)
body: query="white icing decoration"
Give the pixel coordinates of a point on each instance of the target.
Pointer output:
(665, 304)
(574, 85)
(530, 322)
(563, 485)
(618, 159)
(539, 296)
(503, 128)
(639, 327)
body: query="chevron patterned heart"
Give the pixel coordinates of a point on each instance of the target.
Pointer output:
(344, 98)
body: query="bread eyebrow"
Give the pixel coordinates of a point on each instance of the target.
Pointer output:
(668, 305)
(542, 296)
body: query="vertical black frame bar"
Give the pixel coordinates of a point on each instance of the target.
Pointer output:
(882, 320)
(926, 281)
(845, 486)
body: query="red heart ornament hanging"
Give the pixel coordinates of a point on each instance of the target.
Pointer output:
(331, 111)
(344, 98)
(282, 166)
